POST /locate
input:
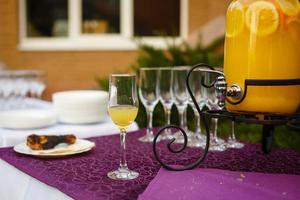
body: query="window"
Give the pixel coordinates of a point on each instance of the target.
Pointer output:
(100, 17)
(100, 24)
(156, 17)
(46, 18)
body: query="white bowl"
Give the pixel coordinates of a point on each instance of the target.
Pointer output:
(80, 106)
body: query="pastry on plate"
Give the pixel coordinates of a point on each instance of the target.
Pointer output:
(45, 142)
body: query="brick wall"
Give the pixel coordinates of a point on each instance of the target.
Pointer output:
(75, 70)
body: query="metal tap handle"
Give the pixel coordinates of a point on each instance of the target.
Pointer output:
(221, 88)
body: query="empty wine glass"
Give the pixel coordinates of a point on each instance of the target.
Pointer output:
(149, 95)
(123, 109)
(181, 98)
(216, 143)
(197, 139)
(166, 96)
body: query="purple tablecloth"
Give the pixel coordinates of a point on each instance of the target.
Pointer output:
(84, 176)
(216, 184)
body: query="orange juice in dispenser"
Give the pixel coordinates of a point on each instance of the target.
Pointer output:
(263, 43)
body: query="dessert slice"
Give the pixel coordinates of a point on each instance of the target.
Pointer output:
(45, 142)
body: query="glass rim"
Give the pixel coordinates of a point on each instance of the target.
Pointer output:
(148, 68)
(165, 68)
(184, 67)
(22, 73)
(122, 75)
(207, 70)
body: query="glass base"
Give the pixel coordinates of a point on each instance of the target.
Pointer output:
(216, 144)
(193, 139)
(123, 174)
(197, 140)
(216, 147)
(234, 144)
(148, 138)
(167, 135)
(179, 136)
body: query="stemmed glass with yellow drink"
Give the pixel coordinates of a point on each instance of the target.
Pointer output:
(123, 108)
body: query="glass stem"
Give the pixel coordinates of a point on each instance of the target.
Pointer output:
(181, 115)
(185, 119)
(198, 121)
(168, 119)
(168, 116)
(123, 163)
(149, 119)
(215, 122)
(232, 131)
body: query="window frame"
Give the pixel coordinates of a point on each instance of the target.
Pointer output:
(76, 41)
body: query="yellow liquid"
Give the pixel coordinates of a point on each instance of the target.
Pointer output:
(123, 116)
(258, 49)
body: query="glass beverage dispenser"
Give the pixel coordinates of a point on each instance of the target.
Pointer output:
(262, 46)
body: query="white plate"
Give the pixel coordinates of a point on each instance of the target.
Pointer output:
(27, 118)
(63, 149)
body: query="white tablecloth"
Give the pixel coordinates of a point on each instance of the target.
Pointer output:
(16, 185)
(10, 137)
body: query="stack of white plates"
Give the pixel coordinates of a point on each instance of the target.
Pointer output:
(80, 106)
(27, 119)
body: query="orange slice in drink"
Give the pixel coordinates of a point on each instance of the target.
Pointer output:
(262, 18)
(234, 19)
(289, 7)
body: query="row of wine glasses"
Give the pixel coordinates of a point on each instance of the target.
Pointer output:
(168, 85)
(15, 85)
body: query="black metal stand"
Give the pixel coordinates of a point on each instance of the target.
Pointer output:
(267, 138)
(268, 122)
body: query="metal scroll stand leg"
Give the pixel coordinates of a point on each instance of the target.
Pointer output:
(267, 138)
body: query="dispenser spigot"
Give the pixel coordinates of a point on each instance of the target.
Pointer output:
(221, 89)
(234, 91)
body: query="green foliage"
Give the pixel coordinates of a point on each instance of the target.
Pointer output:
(174, 55)
(102, 82)
(177, 55)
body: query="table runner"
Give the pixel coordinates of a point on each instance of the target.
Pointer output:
(84, 176)
(216, 184)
